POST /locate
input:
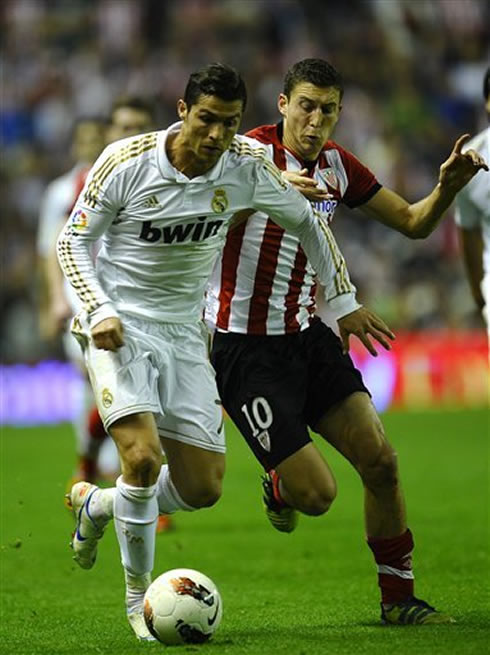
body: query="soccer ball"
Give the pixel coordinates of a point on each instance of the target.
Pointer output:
(182, 606)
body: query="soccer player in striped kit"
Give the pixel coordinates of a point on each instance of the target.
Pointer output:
(161, 204)
(280, 370)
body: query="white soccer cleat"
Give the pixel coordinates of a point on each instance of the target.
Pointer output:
(88, 530)
(137, 622)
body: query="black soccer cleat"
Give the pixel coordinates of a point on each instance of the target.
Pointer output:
(413, 611)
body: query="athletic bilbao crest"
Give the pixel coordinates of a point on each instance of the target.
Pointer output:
(330, 178)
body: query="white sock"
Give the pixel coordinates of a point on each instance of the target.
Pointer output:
(135, 514)
(102, 504)
(136, 585)
(169, 499)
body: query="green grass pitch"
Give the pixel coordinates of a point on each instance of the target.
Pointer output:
(308, 593)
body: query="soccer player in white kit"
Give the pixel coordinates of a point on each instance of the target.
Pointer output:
(161, 204)
(473, 218)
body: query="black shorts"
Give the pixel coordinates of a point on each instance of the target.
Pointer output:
(275, 387)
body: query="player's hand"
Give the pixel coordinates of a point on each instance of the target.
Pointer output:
(460, 167)
(362, 323)
(306, 185)
(108, 334)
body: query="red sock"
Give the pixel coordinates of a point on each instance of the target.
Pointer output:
(95, 425)
(393, 556)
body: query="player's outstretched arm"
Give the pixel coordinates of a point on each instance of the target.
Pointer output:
(363, 323)
(419, 219)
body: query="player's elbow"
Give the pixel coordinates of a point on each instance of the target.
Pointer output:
(416, 231)
(421, 232)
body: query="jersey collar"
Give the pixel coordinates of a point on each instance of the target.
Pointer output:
(169, 172)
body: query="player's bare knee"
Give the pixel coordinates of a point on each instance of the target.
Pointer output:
(205, 493)
(143, 463)
(316, 502)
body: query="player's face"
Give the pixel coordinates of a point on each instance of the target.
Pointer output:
(208, 128)
(127, 121)
(89, 141)
(310, 116)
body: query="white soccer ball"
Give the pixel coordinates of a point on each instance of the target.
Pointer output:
(182, 606)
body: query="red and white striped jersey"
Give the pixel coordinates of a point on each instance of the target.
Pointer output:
(265, 284)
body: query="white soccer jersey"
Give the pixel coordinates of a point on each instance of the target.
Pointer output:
(473, 201)
(162, 232)
(265, 283)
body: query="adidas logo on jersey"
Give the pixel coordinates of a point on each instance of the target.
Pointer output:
(178, 233)
(151, 202)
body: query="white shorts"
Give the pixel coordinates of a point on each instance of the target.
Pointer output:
(162, 368)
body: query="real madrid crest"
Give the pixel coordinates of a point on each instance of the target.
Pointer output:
(107, 397)
(219, 203)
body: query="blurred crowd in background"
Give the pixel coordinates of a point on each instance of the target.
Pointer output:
(413, 75)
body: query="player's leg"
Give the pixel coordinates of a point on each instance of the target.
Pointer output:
(192, 427)
(262, 384)
(125, 388)
(136, 508)
(108, 464)
(192, 478)
(306, 482)
(355, 430)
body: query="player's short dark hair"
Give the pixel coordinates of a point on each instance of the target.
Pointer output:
(315, 71)
(486, 84)
(215, 80)
(134, 102)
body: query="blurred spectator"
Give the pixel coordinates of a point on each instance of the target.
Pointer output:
(413, 73)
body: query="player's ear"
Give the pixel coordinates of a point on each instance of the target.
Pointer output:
(181, 109)
(282, 104)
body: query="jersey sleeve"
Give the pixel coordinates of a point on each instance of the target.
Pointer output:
(467, 215)
(362, 184)
(286, 206)
(95, 209)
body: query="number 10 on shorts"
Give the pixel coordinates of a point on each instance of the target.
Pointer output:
(259, 417)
